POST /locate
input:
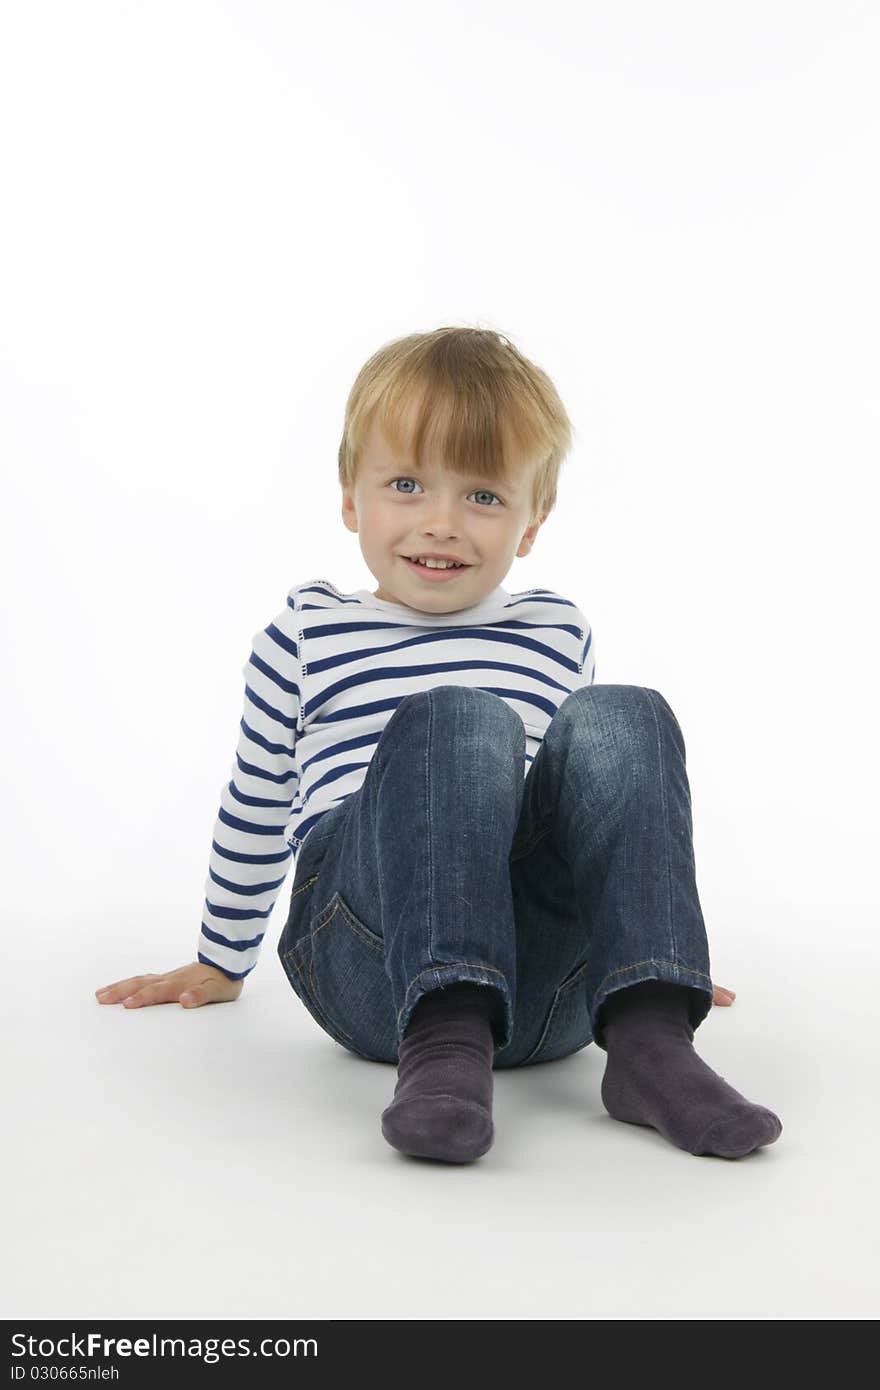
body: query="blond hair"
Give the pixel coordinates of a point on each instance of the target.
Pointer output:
(496, 405)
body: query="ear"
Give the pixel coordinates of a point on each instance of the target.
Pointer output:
(528, 537)
(349, 513)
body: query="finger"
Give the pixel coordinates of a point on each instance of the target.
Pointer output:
(206, 991)
(160, 992)
(723, 996)
(111, 994)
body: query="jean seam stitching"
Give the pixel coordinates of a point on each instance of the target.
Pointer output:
(360, 930)
(303, 886)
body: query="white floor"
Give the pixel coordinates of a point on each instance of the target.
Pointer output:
(227, 1163)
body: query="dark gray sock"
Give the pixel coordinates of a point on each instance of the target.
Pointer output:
(442, 1105)
(654, 1077)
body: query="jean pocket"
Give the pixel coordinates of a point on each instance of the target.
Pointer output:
(568, 1028)
(349, 981)
(298, 966)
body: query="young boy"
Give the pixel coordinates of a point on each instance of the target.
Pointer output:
(495, 863)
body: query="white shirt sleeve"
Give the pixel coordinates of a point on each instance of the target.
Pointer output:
(249, 856)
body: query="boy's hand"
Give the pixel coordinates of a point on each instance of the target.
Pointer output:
(720, 995)
(191, 985)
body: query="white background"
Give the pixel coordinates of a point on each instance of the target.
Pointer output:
(212, 212)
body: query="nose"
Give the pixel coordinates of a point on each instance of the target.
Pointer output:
(442, 525)
(442, 535)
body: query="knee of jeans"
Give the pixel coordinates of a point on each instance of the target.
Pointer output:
(470, 699)
(612, 720)
(465, 695)
(660, 699)
(618, 701)
(462, 713)
(471, 710)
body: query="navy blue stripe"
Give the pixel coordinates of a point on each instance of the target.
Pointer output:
(249, 827)
(333, 775)
(203, 960)
(256, 800)
(278, 715)
(246, 945)
(282, 748)
(303, 828)
(247, 889)
(253, 771)
(286, 643)
(236, 914)
(290, 687)
(236, 856)
(335, 749)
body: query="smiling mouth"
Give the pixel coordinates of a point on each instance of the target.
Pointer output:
(457, 564)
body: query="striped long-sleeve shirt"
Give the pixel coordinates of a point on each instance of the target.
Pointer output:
(321, 683)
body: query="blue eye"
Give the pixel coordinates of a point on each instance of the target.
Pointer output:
(477, 491)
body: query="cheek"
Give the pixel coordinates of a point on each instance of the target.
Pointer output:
(383, 526)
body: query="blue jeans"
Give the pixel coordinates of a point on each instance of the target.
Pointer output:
(553, 889)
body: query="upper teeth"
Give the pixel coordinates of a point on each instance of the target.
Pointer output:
(437, 564)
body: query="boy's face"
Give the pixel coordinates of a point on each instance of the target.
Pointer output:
(398, 511)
